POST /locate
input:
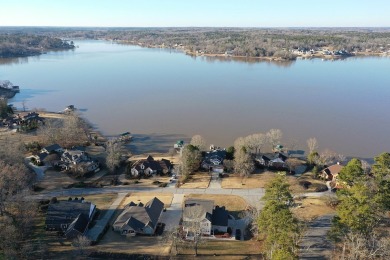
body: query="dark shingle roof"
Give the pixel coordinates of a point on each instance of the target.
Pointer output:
(79, 224)
(220, 216)
(140, 216)
(52, 147)
(65, 212)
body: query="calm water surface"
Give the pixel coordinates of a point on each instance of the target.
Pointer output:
(163, 96)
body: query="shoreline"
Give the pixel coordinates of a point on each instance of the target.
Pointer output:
(186, 51)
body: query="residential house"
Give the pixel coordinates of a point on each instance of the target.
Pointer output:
(330, 173)
(139, 219)
(74, 156)
(279, 161)
(70, 217)
(263, 160)
(149, 166)
(54, 148)
(213, 160)
(211, 219)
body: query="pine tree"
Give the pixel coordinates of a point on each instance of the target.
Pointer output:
(277, 225)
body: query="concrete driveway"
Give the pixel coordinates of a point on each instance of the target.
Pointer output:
(172, 216)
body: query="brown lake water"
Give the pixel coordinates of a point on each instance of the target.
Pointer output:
(162, 96)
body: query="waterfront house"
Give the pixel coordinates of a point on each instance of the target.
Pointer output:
(149, 166)
(330, 173)
(213, 160)
(71, 217)
(139, 219)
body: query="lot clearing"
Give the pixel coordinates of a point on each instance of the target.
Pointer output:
(198, 180)
(260, 180)
(309, 209)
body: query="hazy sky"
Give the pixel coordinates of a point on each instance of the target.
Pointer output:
(152, 13)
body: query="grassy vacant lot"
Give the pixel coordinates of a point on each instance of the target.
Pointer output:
(311, 208)
(233, 203)
(225, 250)
(144, 197)
(260, 180)
(198, 180)
(145, 182)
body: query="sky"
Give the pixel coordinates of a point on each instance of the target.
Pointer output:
(195, 13)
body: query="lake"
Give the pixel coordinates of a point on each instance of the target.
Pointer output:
(162, 96)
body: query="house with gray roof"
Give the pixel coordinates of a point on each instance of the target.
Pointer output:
(149, 166)
(139, 219)
(210, 219)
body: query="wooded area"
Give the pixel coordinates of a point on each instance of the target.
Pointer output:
(243, 42)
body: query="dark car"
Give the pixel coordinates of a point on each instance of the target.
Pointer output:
(238, 234)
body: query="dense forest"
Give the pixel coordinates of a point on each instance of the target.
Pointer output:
(21, 45)
(284, 43)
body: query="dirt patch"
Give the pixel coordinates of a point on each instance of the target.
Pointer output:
(311, 208)
(197, 180)
(144, 197)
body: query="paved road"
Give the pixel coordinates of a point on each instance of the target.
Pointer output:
(315, 244)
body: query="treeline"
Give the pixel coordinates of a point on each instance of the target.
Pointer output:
(22, 45)
(248, 42)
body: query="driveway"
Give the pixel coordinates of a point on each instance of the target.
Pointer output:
(172, 216)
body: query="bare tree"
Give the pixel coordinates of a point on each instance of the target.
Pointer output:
(228, 164)
(274, 137)
(243, 163)
(189, 161)
(250, 216)
(198, 141)
(312, 144)
(172, 152)
(256, 142)
(366, 166)
(14, 179)
(68, 132)
(239, 143)
(172, 236)
(193, 228)
(113, 158)
(24, 105)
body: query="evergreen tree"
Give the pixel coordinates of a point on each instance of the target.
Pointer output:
(277, 225)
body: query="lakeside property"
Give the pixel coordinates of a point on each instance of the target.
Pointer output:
(308, 93)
